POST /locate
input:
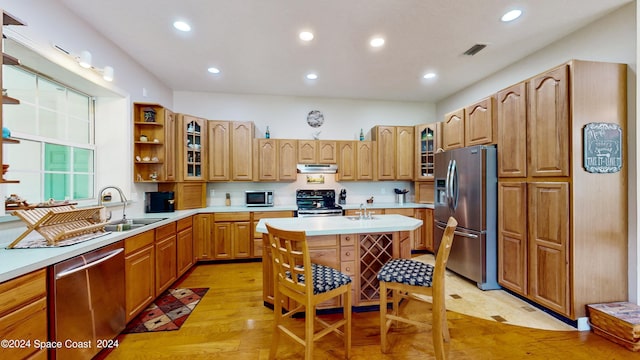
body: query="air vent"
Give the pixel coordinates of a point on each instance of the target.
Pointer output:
(475, 49)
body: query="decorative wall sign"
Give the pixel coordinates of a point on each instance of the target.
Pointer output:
(315, 118)
(602, 148)
(315, 179)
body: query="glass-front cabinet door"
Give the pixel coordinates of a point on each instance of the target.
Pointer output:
(192, 145)
(427, 144)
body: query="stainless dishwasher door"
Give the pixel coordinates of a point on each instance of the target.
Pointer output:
(88, 301)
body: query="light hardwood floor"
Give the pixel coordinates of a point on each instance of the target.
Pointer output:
(231, 323)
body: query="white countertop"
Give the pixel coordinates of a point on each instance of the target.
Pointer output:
(17, 262)
(332, 225)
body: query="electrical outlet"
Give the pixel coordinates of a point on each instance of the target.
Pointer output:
(212, 193)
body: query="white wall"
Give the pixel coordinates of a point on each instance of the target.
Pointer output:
(286, 115)
(612, 39)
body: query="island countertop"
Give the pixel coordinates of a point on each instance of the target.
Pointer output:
(333, 225)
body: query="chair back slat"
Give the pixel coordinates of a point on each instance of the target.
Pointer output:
(291, 259)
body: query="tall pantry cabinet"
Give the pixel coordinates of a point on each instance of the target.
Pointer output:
(562, 231)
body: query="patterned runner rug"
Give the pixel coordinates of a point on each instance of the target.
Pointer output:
(168, 312)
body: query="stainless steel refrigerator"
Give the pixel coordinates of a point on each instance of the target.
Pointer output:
(466, 188)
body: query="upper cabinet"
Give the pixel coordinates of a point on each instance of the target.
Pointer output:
(275, 159)
(242, 133)
(512, 131)
(230, 155)
(7, 19)
(191, 144)
(453, 130)
(365, 160)
(153, 143)
(395, 152)
(317, 151)
(427, 143)
(347, 166)
(473, 125)
(548, 125)
(480, 123)
(218, 145)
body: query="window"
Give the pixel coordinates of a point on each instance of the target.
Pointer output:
(54, 123)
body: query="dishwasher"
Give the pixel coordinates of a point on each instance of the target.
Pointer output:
(88, 302)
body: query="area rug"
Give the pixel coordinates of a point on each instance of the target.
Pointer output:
(168, 312)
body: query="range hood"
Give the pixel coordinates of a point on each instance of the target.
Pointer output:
(317, 168)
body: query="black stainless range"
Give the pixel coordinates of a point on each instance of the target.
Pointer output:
(317, 203)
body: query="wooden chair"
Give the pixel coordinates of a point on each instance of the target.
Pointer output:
(406, 278)
(291, 266)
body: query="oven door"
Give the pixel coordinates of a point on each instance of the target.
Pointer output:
(318, 213)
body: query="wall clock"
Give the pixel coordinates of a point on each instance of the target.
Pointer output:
(315, 118)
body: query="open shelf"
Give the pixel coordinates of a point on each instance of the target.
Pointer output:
(8, 19)
(7, 100)
(10, 141)
(9, 60)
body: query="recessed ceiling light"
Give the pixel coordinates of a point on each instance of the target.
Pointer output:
(511, 15)
(182, 26)
(429, 75)
(312, 76)
(213, 70)
(306, 36)
(376, 42)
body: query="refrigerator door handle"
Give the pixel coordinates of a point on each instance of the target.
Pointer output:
(459, 233)
(448, 184)
(454, 186)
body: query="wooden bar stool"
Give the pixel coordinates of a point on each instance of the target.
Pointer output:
(291, 266)
(406, 278)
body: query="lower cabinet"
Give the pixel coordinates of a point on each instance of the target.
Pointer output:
(166, 255)
(232, 235)
(140, 272)
(257, 237)
(184, 245)
(23, 315)
(203, 236)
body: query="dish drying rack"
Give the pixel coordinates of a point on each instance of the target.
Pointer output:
(59, 223)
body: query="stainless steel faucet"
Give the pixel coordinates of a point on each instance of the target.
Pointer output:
(364, 214)
(122, 198)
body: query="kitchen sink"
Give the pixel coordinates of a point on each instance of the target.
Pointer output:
(357, 217)
(132, 224)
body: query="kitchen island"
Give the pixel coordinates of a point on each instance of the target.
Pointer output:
(357, 247)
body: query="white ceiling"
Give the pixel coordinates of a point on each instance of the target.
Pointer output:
(255, 42)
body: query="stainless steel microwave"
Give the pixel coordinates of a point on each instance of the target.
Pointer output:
(258, 198)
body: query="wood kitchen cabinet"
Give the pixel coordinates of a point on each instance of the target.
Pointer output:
(480, 123)
(365, 160)
(191, 144)
(275, 159)
(475, 124)
(188, 195)
(347, 161)
(552, 217)
(203, 236)
(184, 245)
(453, 130)
(512, 131)
(230, 155)
(232, 235)
(218, 146)
(317, 151)
(23, 314)
(140, 278)
(355, 160)
(395, 152)
(256, 247)
(153, 143)
(166, 256)
(428, 141)
(425, 191)
(242, 133)
(423, 236)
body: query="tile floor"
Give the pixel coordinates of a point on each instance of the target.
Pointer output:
(498, 305)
